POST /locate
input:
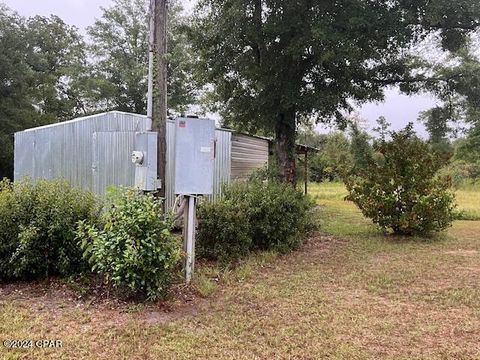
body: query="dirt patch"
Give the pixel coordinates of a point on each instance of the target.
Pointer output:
(471, 269)
(462, 252)
(54, 298)
(381, 259)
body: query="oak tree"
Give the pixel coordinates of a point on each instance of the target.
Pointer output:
(271, 62)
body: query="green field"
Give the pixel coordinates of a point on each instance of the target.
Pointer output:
(349, 293)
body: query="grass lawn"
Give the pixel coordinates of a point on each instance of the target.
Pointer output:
(348, 293)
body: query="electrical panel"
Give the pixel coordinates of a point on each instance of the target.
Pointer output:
(194, 156)
(145, 159)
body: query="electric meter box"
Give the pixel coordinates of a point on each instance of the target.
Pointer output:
(194, 156)
(145, 159)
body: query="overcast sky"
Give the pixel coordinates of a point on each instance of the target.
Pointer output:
(398, 109)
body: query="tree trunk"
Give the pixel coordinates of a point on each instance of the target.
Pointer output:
(285, 134)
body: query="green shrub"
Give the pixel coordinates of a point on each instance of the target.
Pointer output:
(223, 232)
(279, 215)
(461, 172)
(335, 154)
(135, 248)
(259, 216)
(399, 189)
(37, 228)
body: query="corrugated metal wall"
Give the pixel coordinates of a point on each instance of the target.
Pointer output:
(170, 172)
(248, 154)
(66, 150)
(112, 163)
(223, 158)
(94, 152)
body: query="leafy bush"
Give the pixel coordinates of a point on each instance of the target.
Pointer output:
(278, 215)
(135, 248)
(265, 215)
(461, 172)
(335, 154)
(37, 228)
(223, 232)
(400, 190)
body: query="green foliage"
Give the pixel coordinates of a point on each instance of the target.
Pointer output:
(258, 216)
(310, 137)
(465, 167)
(468, 149)
(461, 172)
(360, 148)
(271, 63)
(400, 190)
(120, 44)
(224, 231)
(45, 76)
(41, 65)
(279, 215)
(436, 122)
(334, 155)
(135, 248)
(37, 228)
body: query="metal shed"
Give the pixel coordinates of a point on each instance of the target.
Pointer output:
(248, 154)
(94, 152)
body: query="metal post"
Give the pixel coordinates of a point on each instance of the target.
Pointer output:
(306, 171)
(189, 233)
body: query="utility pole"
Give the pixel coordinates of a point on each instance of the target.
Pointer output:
(158, 85)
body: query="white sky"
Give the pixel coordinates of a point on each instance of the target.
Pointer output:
(397, 108)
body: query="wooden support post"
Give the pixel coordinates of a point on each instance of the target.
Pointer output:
(159, 119)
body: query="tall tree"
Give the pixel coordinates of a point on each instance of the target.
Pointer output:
(273, 61)
(41, 59)
(360, 147)
(56, 52)
(120, 51)
(15, 82)
(458, 90)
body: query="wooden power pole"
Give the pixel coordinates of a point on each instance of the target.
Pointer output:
(159, 103)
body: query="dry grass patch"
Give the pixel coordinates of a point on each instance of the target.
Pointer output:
(349, 294)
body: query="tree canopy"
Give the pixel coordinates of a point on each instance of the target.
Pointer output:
(273, 61)
(41, 60)
(49, 73)
(120, 48)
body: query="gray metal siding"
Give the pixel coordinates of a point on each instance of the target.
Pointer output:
(67, 150)
(111, 160)
(170, 171)
(24, 160)
(248, 154)
(223, 157)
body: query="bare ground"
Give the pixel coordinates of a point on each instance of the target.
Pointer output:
(342, 297)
